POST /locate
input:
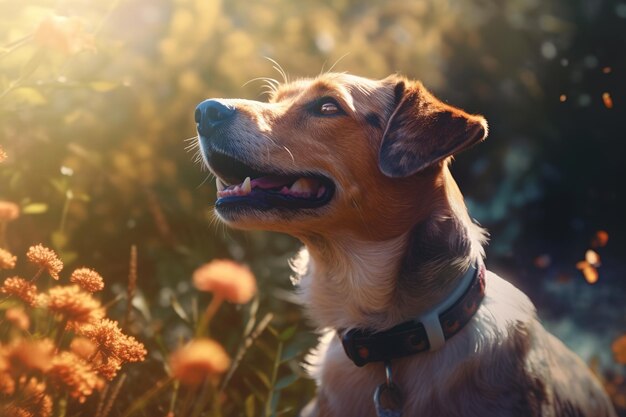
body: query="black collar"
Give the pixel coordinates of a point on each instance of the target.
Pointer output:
(427, 332)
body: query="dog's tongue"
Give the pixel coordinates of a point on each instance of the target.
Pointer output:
(291, 186)
(270, 182)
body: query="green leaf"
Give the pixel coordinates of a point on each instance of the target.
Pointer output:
(68, 257)
(255, 391)
(178, 309)
(285, 381)
(141, 304)
(28, 96)
(262, 377)
(290, 352)
(82, 197)
(287, 333)
(249, 405)
(103, 86)
(35, 208)
(252, 312)
(59, 240)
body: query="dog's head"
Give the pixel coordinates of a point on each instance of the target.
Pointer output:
(337, 153)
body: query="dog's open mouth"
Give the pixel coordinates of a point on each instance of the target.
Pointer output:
(241, 186)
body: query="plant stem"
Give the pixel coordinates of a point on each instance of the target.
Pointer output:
(13, 46)
(270, 394)
(60, 334)
(69, 196)
(243, 348)
(203, 324)
(141, 402)
(207, 388)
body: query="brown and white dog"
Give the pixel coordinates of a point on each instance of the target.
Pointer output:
(358, 171)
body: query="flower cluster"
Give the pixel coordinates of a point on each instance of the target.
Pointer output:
(198, 359)
(20, 288)
(46, 259)
(112, 347)
(9, 211)
(7, 260)
(75, 358)
(226, 279)
(88, 279)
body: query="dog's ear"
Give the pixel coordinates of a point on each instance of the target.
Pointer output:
(422, 131)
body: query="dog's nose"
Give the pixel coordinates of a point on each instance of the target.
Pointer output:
(210, 114)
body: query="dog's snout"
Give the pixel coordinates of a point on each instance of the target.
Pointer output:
(210, 114)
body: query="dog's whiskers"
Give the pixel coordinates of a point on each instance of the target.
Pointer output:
(334, 65)
(279, 69)
(273, 142)
(270, 85)
(290, 154)
(204, 181)
(193, 145)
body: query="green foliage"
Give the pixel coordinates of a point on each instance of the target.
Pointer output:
(95, 111)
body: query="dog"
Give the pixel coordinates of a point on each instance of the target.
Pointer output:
(392, 266)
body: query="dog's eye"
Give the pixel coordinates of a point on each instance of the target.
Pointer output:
(329, 108)
(325, 106)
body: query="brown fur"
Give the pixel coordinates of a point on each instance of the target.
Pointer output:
(393, 243)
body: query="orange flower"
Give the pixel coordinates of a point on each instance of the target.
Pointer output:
(7, 385)
(607, 100)
(197, 360)
(589, 271)
(7, 259)
(115, 346)
(83, 347)
(73, 304)
(619, 349)
(22, 357)
(34, 400)
(226, 279)
(3, 154)
(45, 258)
(13, 410)
(106, 367)
(600, 239)
(64, 34)
(88, 279)
(18, 317)
(73, 374)
(592, 257)
(9, 211)
(21, 289)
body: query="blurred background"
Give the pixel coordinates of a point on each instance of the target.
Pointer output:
(97, 100)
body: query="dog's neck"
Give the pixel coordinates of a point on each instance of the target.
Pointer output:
(348, 281)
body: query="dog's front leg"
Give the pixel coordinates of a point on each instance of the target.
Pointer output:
(317, 407)
(310, 410)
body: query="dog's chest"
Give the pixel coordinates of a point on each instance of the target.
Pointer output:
(482, 361)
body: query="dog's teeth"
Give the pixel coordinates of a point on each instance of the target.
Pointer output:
(302, 185)
(219, 184)
(246, 187)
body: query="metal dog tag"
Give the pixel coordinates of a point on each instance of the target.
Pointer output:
(388, 400)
